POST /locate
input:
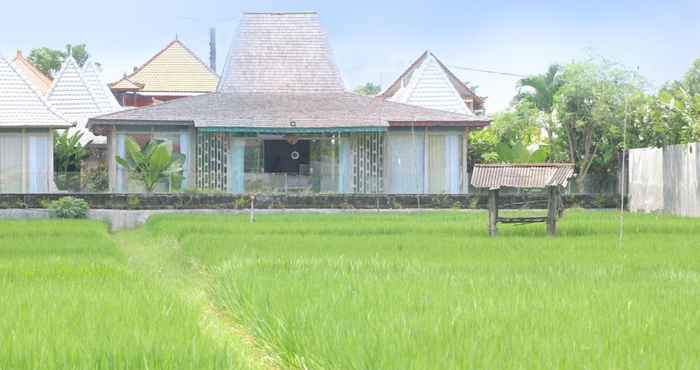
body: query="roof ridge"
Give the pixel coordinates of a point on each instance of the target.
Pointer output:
(20, 57)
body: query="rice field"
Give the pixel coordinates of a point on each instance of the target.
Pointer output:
(352, 291)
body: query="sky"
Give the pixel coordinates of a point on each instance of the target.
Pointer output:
(374, 41)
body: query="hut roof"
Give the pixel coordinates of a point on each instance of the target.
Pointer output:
(256, 112)
(174, 69)
(280, 53)
(533, 176)
(40, 81)
(22, 106)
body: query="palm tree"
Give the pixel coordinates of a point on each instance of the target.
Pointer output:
(540, 90)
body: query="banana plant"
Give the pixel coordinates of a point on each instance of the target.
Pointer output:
(153, 164)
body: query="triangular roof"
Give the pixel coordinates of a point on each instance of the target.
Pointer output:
(39, 81)
(429, 83)
(280, 53)
(102, 94)
(21, 105)
(79, 96)
(174, 69)
(125, 84)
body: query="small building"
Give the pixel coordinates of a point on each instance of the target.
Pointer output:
(281, 120)
(429, 83)
(174, 72)
(27, 122)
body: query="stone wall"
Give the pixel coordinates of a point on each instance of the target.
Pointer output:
(317, 201)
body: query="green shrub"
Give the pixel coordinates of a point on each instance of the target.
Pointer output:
(97, 179)
(68, 207)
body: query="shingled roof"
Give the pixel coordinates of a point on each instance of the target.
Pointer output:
(79, 94)
(21, 106)
(33, 75)
(429, 83)
(280, 53)
(532, 176)
(256, 112)
(174, 69)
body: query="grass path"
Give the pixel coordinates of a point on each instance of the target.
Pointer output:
(162, 260)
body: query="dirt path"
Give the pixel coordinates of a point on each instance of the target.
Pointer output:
(162, 260)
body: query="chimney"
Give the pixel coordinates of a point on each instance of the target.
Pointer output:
(212, 49)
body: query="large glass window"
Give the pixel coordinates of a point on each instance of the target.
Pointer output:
(10, 162)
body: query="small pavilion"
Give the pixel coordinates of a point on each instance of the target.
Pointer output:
(551, 177)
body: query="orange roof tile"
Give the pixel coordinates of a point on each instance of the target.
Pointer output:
(125, 84)
(174, 69)
(39, 81)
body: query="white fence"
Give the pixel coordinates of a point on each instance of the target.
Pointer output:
(665, 180)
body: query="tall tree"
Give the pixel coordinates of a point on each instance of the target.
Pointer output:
(591, 107)
(49, 61)
(368, 89)
(541, 90)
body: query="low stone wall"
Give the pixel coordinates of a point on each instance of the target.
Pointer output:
(317, 201)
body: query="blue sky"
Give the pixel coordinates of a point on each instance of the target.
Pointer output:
(376, 40)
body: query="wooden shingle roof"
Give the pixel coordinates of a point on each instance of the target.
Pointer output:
(175, 69)
(39, 80)
(21, 106)
(280, 53)
(532, 176)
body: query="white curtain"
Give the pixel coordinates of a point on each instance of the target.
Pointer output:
(406, 158)
(10, 163)
(186, 150)
(38, 157)
(120, 185)
(236, 166)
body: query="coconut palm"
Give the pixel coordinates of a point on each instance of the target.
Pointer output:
(540, 90)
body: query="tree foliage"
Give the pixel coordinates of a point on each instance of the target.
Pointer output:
(368, 89)
(49, 61)
(154, 164)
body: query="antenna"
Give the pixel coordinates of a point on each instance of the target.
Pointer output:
(212, 48)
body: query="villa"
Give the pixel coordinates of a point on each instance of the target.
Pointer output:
(282, 120)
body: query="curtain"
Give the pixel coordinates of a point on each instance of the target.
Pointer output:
(186, 150)
(236, 166)
(11, 163)
(345, 164)
(38, 157)
(120, 184)
(406, 153)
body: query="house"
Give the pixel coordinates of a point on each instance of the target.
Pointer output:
(429, 83)
(174, 72)
(281, 120)
(39, 81)
(26, 137)
(79, 94)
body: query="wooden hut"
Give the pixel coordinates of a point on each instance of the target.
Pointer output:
(551, 177)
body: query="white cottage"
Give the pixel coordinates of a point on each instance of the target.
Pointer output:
(26, 141)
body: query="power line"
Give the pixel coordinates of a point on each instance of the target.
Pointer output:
(489, 71)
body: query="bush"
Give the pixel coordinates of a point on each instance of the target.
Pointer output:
(68, 207)
(97, 179)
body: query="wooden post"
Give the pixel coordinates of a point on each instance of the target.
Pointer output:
(493, 211)
(552, 209)
(252, 209)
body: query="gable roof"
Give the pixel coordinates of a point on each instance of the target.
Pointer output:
(33, 75)
(280, 53)
(174, 69)
(125, 84)
(21, 105)
(429, 83)
(533, 176)
(79, 94)
(101, 93)
(309, 112)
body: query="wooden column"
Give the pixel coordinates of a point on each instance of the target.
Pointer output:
(493, 211)
(552, 209)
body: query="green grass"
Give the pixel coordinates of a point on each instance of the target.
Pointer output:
(432, 291)
(351, 291)
(69, 301)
